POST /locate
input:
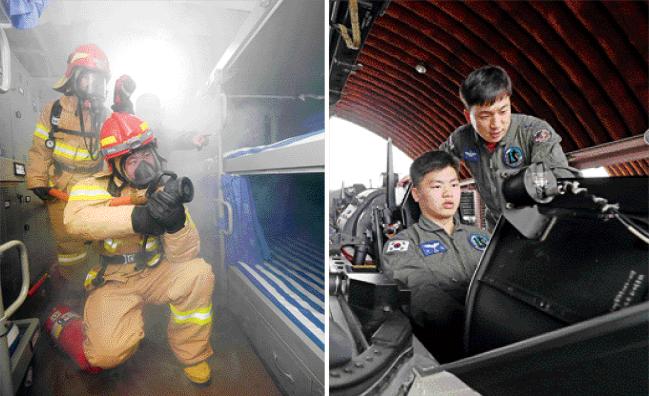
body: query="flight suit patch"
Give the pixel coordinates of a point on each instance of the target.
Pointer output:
(542, 136)
(432, 247)
(479, 241)
(397, 246)
(513, 157)
(471, 155)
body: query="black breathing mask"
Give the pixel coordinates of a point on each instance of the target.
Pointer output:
(89, 84)
(147, 170)
(144, 174)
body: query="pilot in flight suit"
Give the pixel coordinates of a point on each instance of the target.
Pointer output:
(496, 143)
(436, 257)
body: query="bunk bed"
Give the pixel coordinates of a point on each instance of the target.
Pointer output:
(298, 154)
(275, 266)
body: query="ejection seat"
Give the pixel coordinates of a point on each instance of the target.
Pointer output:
(409, 209)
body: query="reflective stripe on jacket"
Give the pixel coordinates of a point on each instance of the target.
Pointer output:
(69, 160)
(89, 216)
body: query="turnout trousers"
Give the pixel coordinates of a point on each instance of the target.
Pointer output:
(72, 252)
(113, 320)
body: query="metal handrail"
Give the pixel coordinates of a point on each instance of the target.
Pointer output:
(24, 263)
(229, 213)
(6, 382)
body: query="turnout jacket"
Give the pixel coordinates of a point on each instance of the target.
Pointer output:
(69, 160)
(89, 216)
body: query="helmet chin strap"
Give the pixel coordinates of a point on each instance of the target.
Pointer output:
(113, 188)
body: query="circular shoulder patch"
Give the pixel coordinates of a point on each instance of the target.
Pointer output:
(513, 157)
(479, 241)
(542, 136)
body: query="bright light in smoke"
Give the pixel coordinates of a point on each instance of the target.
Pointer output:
(157, 66)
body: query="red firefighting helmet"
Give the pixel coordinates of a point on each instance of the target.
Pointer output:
(123, 133)
(87, 56)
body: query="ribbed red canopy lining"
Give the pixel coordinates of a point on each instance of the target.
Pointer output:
(580, 65)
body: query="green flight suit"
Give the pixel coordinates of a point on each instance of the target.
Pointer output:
(437, 268)
(528, 140)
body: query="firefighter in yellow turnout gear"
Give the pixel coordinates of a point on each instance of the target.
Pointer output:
(65, 148)
(149, 255)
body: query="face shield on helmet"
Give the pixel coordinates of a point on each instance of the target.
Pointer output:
(88, 57)
(140, 167)
(89, 84)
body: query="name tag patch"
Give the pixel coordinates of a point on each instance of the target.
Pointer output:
(471, 155)
(479, 241)
(397, 246)
(432, 247)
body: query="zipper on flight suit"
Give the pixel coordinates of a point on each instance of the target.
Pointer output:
(459, 259)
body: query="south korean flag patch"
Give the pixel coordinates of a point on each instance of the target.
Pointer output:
(397, 246)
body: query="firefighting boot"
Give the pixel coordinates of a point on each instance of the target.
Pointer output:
(66, 329)
(198, 373)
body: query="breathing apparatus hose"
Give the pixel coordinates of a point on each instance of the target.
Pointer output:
(95, 120)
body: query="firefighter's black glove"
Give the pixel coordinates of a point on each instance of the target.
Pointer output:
(124, 87)
(144, 223)
(167, 210)
(125, 106)
(42, 192)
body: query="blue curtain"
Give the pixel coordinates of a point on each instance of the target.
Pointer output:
(24, 14)
(247, 242)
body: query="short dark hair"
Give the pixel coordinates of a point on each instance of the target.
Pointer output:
(431, 161)
(484, 85)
